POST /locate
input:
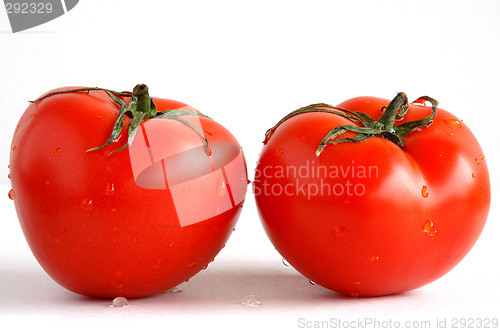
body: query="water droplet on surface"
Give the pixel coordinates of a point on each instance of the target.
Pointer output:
(477, 162)
(473, 175)
(57, 152)
(285, 262)
(11, 194)
(251, 301)
(221, 187)
(480, 156)
(429, 228)
(174, 290)
(451, 134)
(14, 148)
(9, 176)
(340, 232)
(119, 302)
(425, 192)
(454, 123)
(312, 282)
(110, 188)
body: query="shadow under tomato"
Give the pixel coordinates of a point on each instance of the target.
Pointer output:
(221, 286)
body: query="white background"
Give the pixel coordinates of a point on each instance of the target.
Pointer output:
(247, 64)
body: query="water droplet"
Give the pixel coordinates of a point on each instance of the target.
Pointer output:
(174, 290)
(9, 176)
(374, 259)
(86, 203)
(283, 260)
(357, 283)
(473, 175)
(14, 148)
(192, 264)
(454, 123)
(117, 139)
(251, 301)
(425, 192)
(480, 156)
(110, 189)
(11, 194)
(57, 152)
(279, 151)
(429, 228)
(119, 302)
(340, 232)
(477, 162)
(312, 282)
(209, 132)
(119, 273)
(451, 134)
(221, 187)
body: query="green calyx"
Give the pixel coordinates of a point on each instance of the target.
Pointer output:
(140, 108)
(365, 126)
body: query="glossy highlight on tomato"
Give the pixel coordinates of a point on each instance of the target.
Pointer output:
(372, 197)
(129, 214)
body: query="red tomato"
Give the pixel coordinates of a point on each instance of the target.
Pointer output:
(132, 222)
(380, 216)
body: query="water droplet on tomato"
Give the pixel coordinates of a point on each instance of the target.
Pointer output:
(283, 260)
(14, 148)
(11, 194)
(57, 152)
(374, 259)
(192, 264)
(429, 228)
(454, 123)
(473, 175)
(86, 203)
(425, 192)
(451, 134)
(480, 156)
(312, 282)
(9, 176)
(221, 187)
(251, 301)
(279, 151)
(119, 302)
(205, 267)
(357, 283)
(477, 161)
(110, 189)
(340, 232)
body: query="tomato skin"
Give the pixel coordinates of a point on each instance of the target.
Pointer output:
(375, 219)
(91, 227)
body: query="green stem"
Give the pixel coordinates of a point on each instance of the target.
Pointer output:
(140, 108)
(364, 125)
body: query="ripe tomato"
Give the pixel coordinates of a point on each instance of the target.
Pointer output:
(372, 207)
(137, 216)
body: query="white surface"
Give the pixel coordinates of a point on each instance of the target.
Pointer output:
(247, 65)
